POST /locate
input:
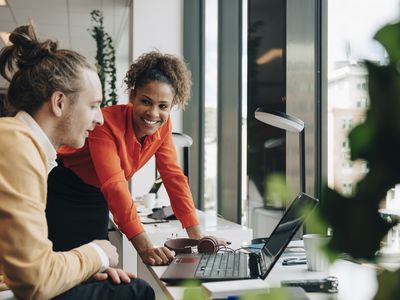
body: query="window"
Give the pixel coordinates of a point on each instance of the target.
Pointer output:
(362, 103)
(349, 43)
(347, 189)
(347, 123)
(345, 145)
(364, 86)
(253, 43)
(211, 106)
(364, 167)
(347, 167)
(212, 48)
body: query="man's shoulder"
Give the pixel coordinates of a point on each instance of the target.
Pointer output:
(13, 132)
(12, 127)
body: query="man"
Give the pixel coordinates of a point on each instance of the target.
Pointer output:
(56, 95)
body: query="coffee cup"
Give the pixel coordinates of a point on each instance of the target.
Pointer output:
(149, 200)
(316, 258)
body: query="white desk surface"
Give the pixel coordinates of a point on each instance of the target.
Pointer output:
(208, 223)
(355, 281)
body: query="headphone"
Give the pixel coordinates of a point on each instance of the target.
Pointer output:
(207, 244)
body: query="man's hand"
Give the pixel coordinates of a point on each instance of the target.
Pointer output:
(109, 250)
(157, 256)
(117, 275)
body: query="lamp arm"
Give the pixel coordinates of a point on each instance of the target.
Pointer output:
(302, 164)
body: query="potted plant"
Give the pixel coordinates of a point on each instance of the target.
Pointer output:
(105, 58)
(358, 228)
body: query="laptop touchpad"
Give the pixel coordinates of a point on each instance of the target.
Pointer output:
(185, 260)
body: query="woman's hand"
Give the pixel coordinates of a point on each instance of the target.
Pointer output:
(151, 255)
(116, 275)
(157, 256)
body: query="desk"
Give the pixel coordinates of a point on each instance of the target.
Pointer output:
(159, 233)
(238, 235)
(355, 281)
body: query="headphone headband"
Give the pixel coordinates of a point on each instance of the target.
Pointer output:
(206, 244)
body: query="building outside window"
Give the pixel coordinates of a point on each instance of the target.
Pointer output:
(349, 43)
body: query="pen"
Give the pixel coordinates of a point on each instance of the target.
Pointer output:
(155, 222)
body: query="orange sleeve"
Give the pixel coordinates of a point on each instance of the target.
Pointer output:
(175, 182)
(113, 184)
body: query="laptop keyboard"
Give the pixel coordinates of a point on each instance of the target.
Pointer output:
(222, 265)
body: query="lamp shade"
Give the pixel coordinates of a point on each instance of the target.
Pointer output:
(279, 119)
(289, 123)
(181, 139)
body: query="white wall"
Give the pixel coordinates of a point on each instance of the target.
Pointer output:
(157, 24)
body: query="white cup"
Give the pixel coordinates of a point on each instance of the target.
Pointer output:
(316, 258)
(149, 200)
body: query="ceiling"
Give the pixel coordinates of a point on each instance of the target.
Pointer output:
(67, 21)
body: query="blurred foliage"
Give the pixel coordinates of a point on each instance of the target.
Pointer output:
(377, 141)
(389, 287)
(273, 294)
(193, 290)
(358, 228)
(276, 191)
(105, 58)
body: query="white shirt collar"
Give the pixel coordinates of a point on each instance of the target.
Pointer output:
(41, 137)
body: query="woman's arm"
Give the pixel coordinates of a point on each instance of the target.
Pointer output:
(175, 182)
(194, 232)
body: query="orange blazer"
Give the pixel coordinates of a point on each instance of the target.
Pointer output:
(112, 155)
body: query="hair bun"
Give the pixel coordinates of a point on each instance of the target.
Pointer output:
(29, 49)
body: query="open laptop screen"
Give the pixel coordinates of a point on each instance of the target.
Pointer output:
(287, 227)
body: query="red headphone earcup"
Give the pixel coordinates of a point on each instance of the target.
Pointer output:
(208, 244)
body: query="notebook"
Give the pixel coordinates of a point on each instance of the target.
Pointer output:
(240, 265)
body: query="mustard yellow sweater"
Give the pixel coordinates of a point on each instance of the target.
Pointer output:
(31, 269)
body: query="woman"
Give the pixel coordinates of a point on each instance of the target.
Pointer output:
(94, 179)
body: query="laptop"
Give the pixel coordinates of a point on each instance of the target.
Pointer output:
(239, 265)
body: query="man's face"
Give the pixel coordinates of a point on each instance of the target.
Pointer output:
(84, 113)
(152, 105)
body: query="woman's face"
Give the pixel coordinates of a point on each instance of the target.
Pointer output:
(152, 105)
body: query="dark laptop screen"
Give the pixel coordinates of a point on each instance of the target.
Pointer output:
(284, 231)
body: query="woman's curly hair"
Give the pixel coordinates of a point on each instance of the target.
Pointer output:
(165, 68)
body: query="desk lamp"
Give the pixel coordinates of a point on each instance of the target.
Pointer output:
(289, 123)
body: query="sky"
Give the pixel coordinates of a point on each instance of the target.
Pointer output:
(354, 22)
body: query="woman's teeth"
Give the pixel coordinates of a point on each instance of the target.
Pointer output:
(150, 122)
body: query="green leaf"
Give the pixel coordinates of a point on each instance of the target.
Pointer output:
(105, 59)
(389, 37)
(273, 294)
(389, 287)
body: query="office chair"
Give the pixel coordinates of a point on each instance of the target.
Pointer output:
(180, 140)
